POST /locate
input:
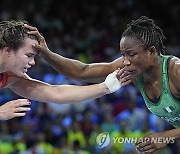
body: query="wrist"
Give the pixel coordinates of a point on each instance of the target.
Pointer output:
(47, 54)
(104, 88)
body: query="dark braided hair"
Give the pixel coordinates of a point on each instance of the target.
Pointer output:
(145, 31)
(12, 34)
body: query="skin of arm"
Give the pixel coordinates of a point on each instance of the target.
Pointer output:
(43, 92)
(73, 68)
(77, 70)
(174, 75)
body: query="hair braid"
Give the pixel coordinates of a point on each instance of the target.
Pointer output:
(145, 31)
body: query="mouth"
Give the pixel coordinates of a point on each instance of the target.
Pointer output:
(131, 71)
(26, 69)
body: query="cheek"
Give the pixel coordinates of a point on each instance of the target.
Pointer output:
(138, 62)
(21, 61)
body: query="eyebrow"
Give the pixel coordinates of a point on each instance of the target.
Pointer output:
(127, 51)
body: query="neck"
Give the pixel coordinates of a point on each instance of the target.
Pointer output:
(153, 73)
(2, 64)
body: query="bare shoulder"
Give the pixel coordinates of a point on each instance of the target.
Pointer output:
(174, 71)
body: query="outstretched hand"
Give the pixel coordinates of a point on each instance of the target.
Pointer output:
(153, 142)
(15, 108)
(42, 46)
(116, 80)
(123, 76)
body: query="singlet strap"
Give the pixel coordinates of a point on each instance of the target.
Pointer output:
(4, 79)
(165, 73)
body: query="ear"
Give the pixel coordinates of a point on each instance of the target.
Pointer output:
(7, 51)
(152, 50)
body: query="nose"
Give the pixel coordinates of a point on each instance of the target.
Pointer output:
(126, 61)
(32, 62)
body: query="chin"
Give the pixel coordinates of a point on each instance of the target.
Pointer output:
(20, 74)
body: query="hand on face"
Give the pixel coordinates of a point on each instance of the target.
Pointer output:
(15, 108)
(42, 47)
(124, 77)
(148, 143)
(116, 80)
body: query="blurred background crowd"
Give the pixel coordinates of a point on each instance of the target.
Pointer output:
(90, 32)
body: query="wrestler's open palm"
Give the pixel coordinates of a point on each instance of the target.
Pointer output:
(15, 108)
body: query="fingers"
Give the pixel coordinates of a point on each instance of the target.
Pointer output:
(30, 27)
(120, 71)
(145, 146)
(22, 109)
(125, 82)
(21, 102)
(123, 77)
(19, 114)
(20, 105)
(39, 47)
(148, 148)
(34, 31)
(142, 142)
(37, 34)
(14, 108)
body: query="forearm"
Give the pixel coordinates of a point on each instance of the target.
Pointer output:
(95, 72)
(175, 133)
(44, 92)
(74, 94)
(68, 67)
(62, 94)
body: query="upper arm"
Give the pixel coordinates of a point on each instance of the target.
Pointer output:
(98, 71)
(175, 73)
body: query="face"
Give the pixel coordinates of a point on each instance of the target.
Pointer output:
(21, 60)
(135, 59)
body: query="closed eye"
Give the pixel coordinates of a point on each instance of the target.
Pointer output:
(132, 54)
(31, 55)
